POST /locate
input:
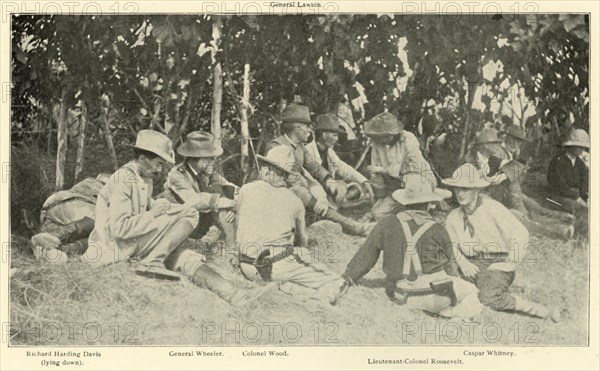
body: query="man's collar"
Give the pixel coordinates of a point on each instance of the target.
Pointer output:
(289, 140)
(134, 167)
(321, 147)
(571, 157)
(192, 170)
(420, 217)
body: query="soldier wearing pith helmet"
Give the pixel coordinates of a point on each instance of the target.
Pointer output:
(568, 178)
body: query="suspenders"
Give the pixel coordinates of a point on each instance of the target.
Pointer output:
(411, 256)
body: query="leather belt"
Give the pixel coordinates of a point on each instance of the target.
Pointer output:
(264, 262)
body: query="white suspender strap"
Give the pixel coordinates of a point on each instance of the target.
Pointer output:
(411, 256)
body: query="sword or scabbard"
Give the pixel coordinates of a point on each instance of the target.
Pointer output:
(554, 202)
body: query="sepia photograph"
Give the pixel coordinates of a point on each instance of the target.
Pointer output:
(268, 180)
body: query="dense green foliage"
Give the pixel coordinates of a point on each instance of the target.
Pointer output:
(155, 71)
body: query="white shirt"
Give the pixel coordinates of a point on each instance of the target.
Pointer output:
(572, 158)
(496, 229)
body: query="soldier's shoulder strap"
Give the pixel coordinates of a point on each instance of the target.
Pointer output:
(411, 257)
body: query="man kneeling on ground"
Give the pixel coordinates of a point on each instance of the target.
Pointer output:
(130, 224)
(418, 258)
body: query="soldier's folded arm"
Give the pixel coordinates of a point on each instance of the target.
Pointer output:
(514, 171)
(218, 178)
(416, 156)
(124, 223)
(201, 201)
(314, 168)
(346, 171)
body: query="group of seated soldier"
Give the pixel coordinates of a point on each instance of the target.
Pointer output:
(451, 270)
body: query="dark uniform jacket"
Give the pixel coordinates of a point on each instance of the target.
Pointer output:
(568, 180)
(433, 247)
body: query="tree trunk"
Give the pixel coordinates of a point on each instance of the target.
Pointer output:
(245, 133)
(218, 80)
(50, 143)
(62, 136)
(155, 118)
(83, 120)
(108, 137)
(178, 129)
(467, 129)
(466, 134)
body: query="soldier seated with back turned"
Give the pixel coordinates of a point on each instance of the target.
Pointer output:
(418, 258)
(271, 233)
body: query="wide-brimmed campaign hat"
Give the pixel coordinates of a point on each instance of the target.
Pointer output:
(516, 132)
(296, 113)
(329, 122)
(418, 190)
(487, 135)
(200, 144)
(155, 142)
(281, 157)
(384, 124)
(578, 138)
(466, 176)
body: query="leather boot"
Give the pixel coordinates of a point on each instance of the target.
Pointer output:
(174, 237)
(349, 226)
(213, 235)
(537, 309)
(208, 278)
(74, 231)
(75, 248)
(444, 288)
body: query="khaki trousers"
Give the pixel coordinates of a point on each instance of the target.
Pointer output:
(300, 275)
